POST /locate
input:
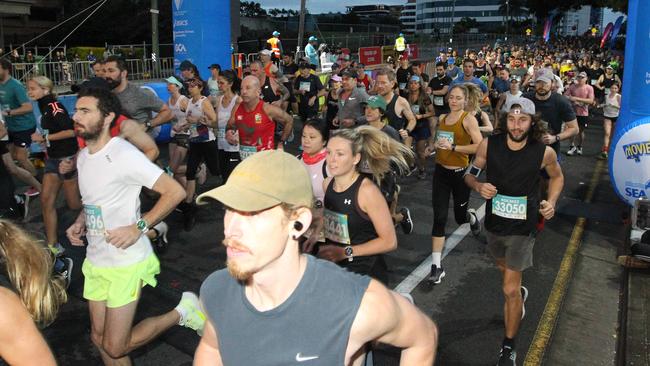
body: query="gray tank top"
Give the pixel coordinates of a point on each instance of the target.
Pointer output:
(311, 326)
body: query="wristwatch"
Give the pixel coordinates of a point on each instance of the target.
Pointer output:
(557, 138)
(349, 253)
(142, 225)
(453, 147)
(8, 112)
(148, 125)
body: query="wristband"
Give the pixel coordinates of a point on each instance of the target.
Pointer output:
(557, 138)
(453, 147)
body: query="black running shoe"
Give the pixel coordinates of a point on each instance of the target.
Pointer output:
(407, 222)
(476, 225)
(507, 357)
(437, 274)
(63, 267)
(22, 204)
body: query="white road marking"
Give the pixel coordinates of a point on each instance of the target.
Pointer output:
(424, 269)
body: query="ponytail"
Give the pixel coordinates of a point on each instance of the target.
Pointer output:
(378, 150)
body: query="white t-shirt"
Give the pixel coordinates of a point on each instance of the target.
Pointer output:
(110, 182)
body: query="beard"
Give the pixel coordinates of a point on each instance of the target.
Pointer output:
(91, 133)
(234, 268)
(113, 83)
(521, 138)
(542, 92)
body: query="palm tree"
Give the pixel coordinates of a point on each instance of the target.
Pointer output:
(517, 9)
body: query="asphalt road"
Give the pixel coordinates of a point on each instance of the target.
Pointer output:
(467, 305)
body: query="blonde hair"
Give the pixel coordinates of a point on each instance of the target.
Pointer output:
(474, 97)
(377, 149)
(44, 83)
(28, 264)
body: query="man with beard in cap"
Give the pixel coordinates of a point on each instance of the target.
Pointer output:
(512, 161)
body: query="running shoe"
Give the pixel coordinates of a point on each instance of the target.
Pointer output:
(507, 357)
(407, 222)
(160, 241)
(22, 203)
(437, 274)
(191, 314)
(603, 155)
(476, 225)
(57, 249)
(572, 150)
(63, 267)
(579, 150)
(32, 192)
(524, 296)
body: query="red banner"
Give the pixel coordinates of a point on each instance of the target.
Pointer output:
(370, 55)
(412, 51)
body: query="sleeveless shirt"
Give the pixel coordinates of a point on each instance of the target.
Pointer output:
(456, 134)
(515, 174)
(268, 95)
(394, 121)
(223, 115)
(313, 324)
(179, 115)
(198, 132)
(256, 130)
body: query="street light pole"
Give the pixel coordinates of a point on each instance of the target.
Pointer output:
(507, 18)
(155, 48)
(301, 26)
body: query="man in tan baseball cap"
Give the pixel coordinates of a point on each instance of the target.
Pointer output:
(270, 284)
(273, 177)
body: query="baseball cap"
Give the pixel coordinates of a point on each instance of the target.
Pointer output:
(186, 65)
(336, 78)
(514, 79)
(415, 78)
(525, 105)
(545, 78)
(609, 67)
(174, 80)
(266, 179)
(377, 101)
(582, 74)
(266, 53)
(95, 82)
(214, 66)
(312, 38)
(276, 33)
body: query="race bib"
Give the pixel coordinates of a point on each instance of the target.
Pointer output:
(246, 151)
(447, 135)
(305, 86)
(510, 207)
(94, 220)
(415, 109)
(221, 133)
(594, 81)
(336, 227)
(439, 101)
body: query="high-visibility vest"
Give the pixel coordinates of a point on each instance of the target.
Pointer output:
(275, 46)
(400, 44)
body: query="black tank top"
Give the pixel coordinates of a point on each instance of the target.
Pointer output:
(607, 83)
(515, 174)
(480, 70)
(267, 92)
(347, 224)
(394, 121)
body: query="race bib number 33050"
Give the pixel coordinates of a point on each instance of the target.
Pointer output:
(510, 207)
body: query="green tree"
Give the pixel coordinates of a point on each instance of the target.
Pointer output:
(465, 24)
(251, 9)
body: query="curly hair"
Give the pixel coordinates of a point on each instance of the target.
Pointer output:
(538, 128)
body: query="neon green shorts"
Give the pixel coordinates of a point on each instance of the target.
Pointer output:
(119, 286)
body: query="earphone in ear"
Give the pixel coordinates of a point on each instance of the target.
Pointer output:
(297, 225)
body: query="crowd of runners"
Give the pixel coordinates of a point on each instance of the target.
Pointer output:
(490, 120)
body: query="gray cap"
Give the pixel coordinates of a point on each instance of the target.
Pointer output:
(545, 78)
(525, 105)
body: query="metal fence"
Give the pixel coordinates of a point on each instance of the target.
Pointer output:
(69, 72)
